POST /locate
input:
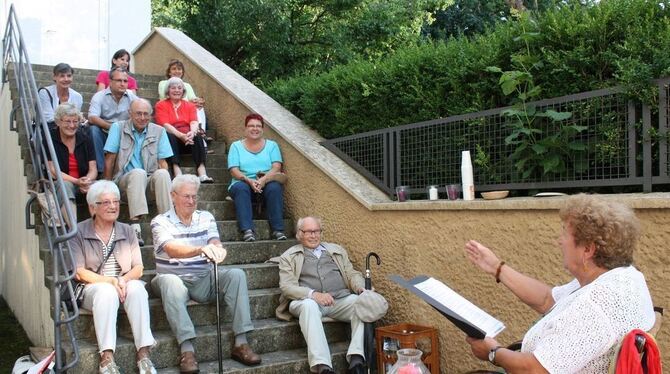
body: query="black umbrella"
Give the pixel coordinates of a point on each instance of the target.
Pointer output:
(369, 332)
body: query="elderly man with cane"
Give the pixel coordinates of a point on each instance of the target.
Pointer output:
(186, 243)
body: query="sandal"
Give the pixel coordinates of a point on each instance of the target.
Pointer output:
(205, 179)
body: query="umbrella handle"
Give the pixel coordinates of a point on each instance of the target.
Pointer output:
(367, 260)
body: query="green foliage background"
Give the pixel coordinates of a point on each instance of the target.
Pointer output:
(581, 46)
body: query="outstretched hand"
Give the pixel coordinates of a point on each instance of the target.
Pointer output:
(481, 256)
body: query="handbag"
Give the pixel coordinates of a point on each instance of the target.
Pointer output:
(78, 287)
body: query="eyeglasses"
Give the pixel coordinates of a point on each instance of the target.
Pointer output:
(188, 197)
(255, 126)
(141, 114)
(107, 203)
(70, 122)
(311, 232)
(120, 80)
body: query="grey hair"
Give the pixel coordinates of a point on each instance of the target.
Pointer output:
(183, 179)
(141, 100)
(66, 110)
(175, 81)
(101, 187)
(301, 220)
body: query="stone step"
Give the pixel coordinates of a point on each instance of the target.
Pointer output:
(45, 73)
(289, 361)
(262, 305)
(222, 210)
(259, 276)
(238, 253)
(270, 335)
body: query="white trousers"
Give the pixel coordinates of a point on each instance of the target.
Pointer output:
(309, 313)
(103, 300)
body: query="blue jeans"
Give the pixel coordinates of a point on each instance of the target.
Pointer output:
(274, 204)
(99, 138)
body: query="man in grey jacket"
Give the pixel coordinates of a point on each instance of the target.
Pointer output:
(318, 280)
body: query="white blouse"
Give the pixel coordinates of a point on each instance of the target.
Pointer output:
(579, 334)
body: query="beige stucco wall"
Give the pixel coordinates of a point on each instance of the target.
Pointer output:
(411, 238)
(21, 269)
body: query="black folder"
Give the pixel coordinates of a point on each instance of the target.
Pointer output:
(468, 328)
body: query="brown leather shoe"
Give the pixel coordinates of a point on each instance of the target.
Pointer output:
(188, 364)
(245, 355)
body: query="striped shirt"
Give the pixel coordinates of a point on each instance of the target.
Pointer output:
(167, 227)
(111, 267)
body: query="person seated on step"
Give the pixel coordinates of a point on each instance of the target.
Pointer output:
(176, 69)
(252, 162)
(120, 59)
(582, 320)
(60, 92)
(318, 280)
(136, 154)
(107, 107)
(179, 119)
(74, 153)
(109, 262)
(186, 244)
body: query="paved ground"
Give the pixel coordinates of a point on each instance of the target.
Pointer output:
(13, 340)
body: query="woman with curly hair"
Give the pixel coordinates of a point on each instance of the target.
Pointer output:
(583, 320)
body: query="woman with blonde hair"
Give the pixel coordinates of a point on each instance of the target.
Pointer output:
(583, 320)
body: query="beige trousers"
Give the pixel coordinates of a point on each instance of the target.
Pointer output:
(135, 185)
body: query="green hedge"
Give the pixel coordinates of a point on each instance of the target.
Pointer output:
(581, 48)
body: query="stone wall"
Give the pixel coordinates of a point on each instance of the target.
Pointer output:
(415, 237)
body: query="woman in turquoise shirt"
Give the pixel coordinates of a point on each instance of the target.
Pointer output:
(252, 162)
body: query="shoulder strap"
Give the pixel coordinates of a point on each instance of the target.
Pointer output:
(51, 99)
(109, 253)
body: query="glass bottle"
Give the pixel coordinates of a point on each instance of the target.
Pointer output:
(409, 362)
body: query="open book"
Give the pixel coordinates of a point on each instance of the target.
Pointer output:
(462, 313)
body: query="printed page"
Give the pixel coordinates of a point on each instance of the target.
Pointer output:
(461, 306)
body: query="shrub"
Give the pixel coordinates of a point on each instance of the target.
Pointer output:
(579, 48)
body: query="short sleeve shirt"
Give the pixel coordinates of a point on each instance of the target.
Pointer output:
(103, 77)
(113, 144)
(167, 228)
(250, 163)
(104, 106)
(49, 100)
(579, 334)
(180, 118)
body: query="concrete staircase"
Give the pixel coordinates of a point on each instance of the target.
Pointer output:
(280, 343)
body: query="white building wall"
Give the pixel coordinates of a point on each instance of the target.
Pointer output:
(83, 33)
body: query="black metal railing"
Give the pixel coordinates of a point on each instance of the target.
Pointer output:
(28, 112)
(607, 140)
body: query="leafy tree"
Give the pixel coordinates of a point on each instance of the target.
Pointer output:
(470, 17)
(269, 39)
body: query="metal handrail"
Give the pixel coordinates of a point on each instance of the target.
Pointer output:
(36, 130)
(381, 156)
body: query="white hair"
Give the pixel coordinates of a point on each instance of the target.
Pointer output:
(301, 221)
(174, 81)
(183, 179)
(101, 187)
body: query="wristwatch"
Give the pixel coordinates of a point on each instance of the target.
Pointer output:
(492, 355)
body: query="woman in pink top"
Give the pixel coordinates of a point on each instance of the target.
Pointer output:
(120, 59)
(179, 118)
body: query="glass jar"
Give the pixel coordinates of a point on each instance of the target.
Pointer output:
(409, 362)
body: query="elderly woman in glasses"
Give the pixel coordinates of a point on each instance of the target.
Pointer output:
(583, 320)
(109, 262)
(176, 69)
(179, 118)
(74, 153)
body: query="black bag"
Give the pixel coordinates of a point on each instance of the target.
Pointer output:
(78, 287)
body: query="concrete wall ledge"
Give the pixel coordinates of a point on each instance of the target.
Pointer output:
(284, 123)
(656, 200)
